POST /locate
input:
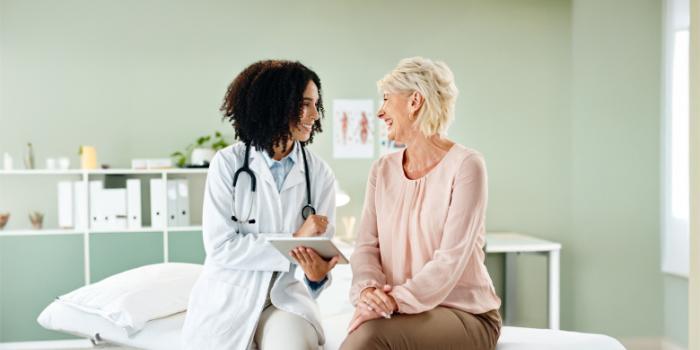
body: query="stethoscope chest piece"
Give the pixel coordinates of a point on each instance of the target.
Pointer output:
(307, 211)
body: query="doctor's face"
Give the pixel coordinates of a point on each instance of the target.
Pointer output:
(394, 112)
(301, 130)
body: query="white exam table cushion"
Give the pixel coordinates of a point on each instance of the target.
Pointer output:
(164, 333)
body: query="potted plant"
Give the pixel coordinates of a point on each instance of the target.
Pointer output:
(201, 152)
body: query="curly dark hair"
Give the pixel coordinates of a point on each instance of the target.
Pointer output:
(266, 98)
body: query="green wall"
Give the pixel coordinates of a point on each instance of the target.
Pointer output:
(561, 97)
(676, 309)
(615, 137)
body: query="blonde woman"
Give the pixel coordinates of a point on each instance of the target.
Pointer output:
(419, 279)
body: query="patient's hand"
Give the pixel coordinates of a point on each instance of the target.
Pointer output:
(313, 265)
(362, 315)
(378, 300)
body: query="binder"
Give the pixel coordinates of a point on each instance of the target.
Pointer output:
(113, 208)
(172, 203)
(133, 205)
(96, 217)
(65, 204)
(79, 206)
(158, 204)
(183, 203)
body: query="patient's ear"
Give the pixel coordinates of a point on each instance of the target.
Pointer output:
(417, 101)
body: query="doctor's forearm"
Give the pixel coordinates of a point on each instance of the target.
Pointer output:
(250, 252)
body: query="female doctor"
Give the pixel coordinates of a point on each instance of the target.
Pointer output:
(267, 185)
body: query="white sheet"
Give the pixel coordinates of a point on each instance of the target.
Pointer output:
(158, 334)
(164, 333)
(336, 312)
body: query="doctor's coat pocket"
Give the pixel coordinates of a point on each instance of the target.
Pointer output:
(219, 306)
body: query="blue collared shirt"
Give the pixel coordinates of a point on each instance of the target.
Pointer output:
(281, 168)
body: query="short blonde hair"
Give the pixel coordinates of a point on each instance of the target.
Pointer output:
(435, 82)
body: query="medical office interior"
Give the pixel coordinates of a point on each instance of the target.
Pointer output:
(580, 108)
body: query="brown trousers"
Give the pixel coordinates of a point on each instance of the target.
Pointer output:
(440, 328)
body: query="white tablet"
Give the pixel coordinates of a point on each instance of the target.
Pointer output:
(322, 245)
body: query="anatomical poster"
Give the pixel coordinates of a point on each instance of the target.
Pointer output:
(353, 129)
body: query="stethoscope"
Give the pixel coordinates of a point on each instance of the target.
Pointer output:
(306, 211)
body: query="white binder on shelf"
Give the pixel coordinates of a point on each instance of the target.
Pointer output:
(96, 217)
(133, 203)
(183, 203)
(158, 204)
(172, 203)
(79, 205)
(113, 208)
(65, 204)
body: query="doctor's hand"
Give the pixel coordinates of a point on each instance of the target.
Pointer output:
(314, 225)
(315, 268)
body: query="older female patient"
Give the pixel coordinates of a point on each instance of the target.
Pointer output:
(419, 279)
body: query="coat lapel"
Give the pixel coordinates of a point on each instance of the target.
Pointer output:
(296, 175)
(262, 172)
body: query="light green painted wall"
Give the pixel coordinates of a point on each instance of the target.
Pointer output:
(676, 309)
(141, 79)
(615, 283)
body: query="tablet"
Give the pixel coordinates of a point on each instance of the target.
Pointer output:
(322, 245)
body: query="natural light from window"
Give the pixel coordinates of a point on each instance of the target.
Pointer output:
(680, 202)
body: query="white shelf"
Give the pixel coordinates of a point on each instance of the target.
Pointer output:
(146, 171)
(42, 172)
(184, 228)
(105, 171)
(127, 230)
(51, 232)
(86, 233)
(47, 232)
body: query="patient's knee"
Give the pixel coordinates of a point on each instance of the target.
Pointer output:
(367, 336)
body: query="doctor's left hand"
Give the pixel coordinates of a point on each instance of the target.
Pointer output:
(313, 265)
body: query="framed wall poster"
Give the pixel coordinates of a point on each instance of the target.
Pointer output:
(353, 129)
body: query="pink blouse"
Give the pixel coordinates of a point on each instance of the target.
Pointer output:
(425, 237)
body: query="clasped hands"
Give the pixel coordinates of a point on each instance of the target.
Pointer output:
(372, 304)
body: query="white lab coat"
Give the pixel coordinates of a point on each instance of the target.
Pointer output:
(227, 299)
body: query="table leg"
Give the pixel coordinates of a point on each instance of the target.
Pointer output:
(511, 297)
(553, 267)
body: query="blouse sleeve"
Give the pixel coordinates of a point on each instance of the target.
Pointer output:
(365, 262)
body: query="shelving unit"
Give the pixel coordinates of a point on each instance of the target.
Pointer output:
(87, 232)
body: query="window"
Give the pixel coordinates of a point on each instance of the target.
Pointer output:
(676, 187)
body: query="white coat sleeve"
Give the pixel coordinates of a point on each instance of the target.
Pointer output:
(325, 197)
(241, 251)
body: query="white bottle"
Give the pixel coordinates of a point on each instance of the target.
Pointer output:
(7, 161)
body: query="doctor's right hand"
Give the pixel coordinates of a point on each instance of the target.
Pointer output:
(314, 225)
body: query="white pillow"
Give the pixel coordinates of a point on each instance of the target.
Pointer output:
(131, 298)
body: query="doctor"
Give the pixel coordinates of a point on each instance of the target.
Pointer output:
(247, 295)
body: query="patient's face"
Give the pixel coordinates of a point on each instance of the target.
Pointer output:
(394, 112)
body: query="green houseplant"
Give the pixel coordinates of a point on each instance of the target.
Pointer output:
(201, 151)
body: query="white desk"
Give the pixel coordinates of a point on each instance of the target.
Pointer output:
(512, 244)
